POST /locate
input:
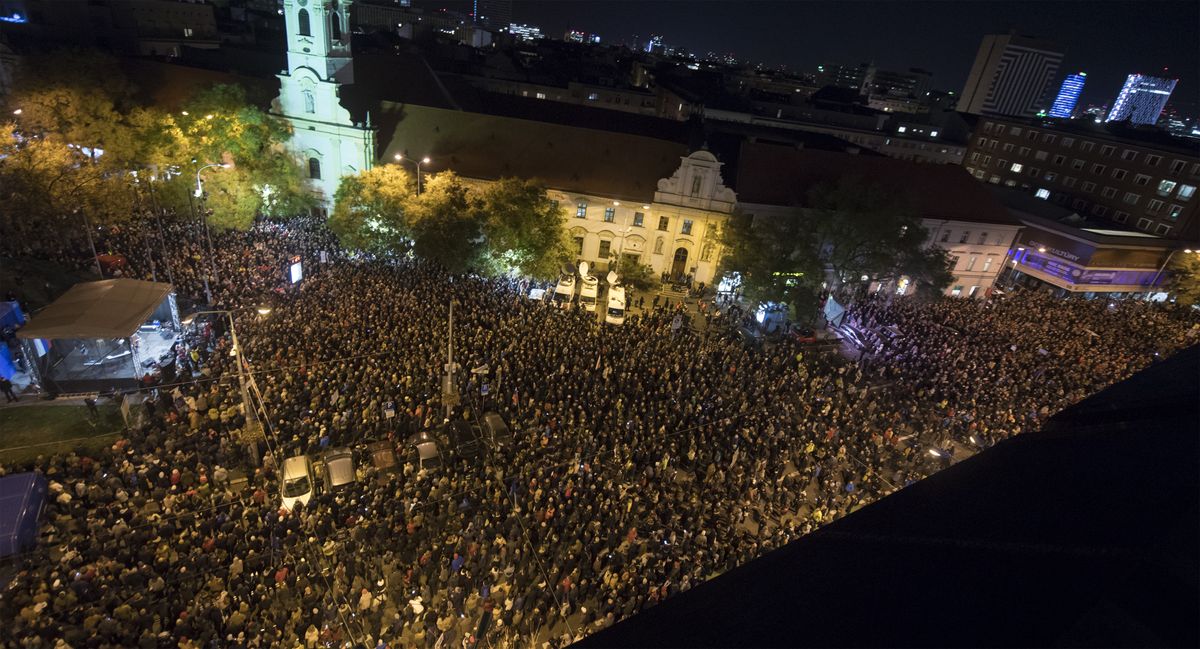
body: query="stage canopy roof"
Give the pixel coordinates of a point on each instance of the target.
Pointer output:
(112, 308)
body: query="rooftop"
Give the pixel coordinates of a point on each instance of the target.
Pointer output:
(771, 174)
(111, 308)
(1114, 131)
(567, 158)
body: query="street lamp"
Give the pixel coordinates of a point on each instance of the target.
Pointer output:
(18, 111)
(252, 425)
(204, 219)
(416, 163)
(1186, 251)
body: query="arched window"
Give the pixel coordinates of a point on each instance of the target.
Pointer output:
(310, 104)
(314, 168)
(335, 26)
(302, 18)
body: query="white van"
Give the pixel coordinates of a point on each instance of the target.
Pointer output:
(564, 293)
(588, 292)
(616, 305)
(298, 483)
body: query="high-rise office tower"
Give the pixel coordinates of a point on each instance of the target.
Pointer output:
(1068, 95)
(1141, 99)
(1012, 75)
(494, 14)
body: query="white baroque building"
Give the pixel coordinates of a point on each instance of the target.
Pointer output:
(329, 143)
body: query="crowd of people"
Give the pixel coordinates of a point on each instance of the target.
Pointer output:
(647, 458)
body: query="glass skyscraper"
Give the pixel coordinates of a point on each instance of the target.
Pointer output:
(1068, 94)
(1142, 99)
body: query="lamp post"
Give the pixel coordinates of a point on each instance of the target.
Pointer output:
(416, 163)
(199, 194)
(253, 427)
(450, 397)
(1011, 252)
(1154, 282)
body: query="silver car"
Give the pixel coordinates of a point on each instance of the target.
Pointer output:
(339, 467)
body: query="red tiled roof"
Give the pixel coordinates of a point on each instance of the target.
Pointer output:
(781, 175)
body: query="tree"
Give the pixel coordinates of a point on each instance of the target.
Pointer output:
(636, 275)
(369, 210)
(45, 181)
(776, 257)
(524, 229)
(1184, 279)
(864, 229)
(79, 95)
(446, 226)
(218, 125)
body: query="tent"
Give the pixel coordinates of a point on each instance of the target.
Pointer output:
(22, 497)
(101, 335)
(112, 308)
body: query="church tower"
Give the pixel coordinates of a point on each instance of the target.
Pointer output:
(328, 141)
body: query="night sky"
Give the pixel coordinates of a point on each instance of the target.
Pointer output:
(1108, 40)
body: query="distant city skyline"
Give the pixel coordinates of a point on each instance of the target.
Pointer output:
(1109, 40)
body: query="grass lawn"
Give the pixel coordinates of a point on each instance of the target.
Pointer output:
(29, 431)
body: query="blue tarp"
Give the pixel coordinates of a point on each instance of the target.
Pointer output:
(834, 312)
(7, 369)
(10, 315)
(22, 497)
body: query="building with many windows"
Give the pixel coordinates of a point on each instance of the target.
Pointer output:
(960, 215)
(1011, 75)
(1134, 178)
(1141, 99)
(1068, 95)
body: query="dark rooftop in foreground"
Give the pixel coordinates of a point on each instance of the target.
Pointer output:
(1084, 534)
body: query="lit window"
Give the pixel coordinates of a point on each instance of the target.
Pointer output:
(1186, 192)
(1174, 211)
(1043, 194)
(593, 96)
(933, 134)
(581, 210)
(1017, 167)
(540, 95)
(957, 291)
(637, 219)
(1165, 187)
(987, 264)
(902, 129)
(687, 227)
(609, 214)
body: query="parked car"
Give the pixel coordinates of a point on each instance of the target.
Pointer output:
(298, 481)
(339, 467)
(804, 336)
(429, 455)
(383, 456)
(496, 430)
(463, 439)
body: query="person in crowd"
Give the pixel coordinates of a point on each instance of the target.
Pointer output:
(645, 461)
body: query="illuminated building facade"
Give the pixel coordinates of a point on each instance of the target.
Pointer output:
(1068, 95)
(1141, 99)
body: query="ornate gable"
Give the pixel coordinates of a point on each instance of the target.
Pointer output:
(697, 183)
